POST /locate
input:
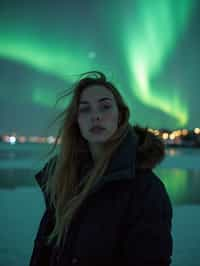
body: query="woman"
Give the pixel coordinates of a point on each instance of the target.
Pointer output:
(104, 205)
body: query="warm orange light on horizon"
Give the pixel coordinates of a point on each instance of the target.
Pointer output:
(197, 130)
(165, 135)
(184, 132)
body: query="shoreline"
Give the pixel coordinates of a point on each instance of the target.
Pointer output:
(184, 161)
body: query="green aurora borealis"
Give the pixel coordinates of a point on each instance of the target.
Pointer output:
(158, 29)
(52, 45)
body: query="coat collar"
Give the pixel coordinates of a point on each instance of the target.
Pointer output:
(123, 163)
(140, 150)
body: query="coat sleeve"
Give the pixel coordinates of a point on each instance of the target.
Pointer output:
(42, 176)
(41, 251)
(148, 240)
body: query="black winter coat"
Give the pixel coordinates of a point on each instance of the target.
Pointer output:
(126, 219)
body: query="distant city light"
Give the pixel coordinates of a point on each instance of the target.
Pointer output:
(6, 138)
(176, 138)
(172, 136)
(50, 140)
(184, 132)
(165, 135)
(197, 130)
(12, 140)
(156, 132)
(22, 139)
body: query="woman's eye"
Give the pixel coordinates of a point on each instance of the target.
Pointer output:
(86, 109)
(106, 106)
(83, 109)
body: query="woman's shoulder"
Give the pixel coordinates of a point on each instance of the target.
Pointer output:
(149, 179)
(42, 175)
(152, 191)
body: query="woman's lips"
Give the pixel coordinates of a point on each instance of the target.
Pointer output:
(97, 130)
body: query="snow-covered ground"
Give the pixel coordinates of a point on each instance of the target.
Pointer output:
(21, 210)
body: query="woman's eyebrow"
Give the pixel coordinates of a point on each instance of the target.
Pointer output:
(100, 100)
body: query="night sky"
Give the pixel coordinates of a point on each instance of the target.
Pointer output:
(149, 49)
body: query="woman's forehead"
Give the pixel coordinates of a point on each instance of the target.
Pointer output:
(95, 93)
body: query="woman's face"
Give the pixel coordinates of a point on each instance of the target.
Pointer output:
(97, 107)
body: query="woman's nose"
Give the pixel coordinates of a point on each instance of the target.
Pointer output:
(96, 116)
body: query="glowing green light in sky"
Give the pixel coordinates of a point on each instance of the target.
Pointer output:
(60, 59)
(149, 40)
(49, 98)
(150, 35)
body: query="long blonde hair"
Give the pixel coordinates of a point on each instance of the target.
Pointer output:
(63, 187)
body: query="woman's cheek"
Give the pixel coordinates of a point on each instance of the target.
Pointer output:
(111, 117)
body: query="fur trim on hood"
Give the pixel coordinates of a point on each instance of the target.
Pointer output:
(151, 148)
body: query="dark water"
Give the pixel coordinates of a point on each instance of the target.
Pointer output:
(19, 163)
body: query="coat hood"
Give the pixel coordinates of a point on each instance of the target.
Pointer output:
(150, 148)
